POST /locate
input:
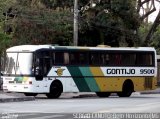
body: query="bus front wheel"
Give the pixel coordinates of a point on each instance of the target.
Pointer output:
(103, 94)
(127, 89)
(56, 89)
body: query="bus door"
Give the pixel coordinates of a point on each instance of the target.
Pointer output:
(42, 67)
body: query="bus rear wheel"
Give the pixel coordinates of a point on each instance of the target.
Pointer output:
(103, 94)
(127, 90)
(56, 89)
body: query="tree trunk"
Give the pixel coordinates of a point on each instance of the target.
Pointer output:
(152, 30)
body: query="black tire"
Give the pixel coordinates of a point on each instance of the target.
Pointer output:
(127, 90)
(30, 94)
(103, 94)
(56, 90)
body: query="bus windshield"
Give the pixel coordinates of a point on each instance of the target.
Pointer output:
(18, 63)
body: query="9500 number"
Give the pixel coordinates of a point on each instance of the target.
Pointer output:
(146, 71)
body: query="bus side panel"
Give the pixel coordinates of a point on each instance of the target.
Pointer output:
(68, 84)
(25, 84)
(93, 79)
(62, 74)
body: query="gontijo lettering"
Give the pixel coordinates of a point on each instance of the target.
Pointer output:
(120, 71)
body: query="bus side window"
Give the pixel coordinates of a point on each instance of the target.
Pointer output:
(59, 58)
(138, 59)
(128, 59)
(118, 60)
(144, 59)
(83, 58)
(147, 59)
(66, 58)
(150, 59)
(94, 59)
(78, 58)
(112, 60)
(47, 64)
(73, 58)
(53, 57)
(104, 59)
(107, 59)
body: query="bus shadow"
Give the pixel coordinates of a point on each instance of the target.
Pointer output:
(149, 96)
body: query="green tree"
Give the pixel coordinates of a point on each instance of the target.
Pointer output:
(110, 22)
(50, 21)
(34, 23)
(107, 24)
(155, 42)
(143, 30)
(148, 7)
(5, 39)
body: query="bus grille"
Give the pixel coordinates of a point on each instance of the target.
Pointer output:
(148, 82)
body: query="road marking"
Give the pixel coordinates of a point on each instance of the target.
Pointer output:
(148, 104)
(45, 117)
(103, 111)
(26, 114)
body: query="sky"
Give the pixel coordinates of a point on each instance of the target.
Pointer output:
(153, 15)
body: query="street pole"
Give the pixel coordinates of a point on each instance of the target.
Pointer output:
(75, 32)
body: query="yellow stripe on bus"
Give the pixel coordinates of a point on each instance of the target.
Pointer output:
(115, 84)
(98, 76)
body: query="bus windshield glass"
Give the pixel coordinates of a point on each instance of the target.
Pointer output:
(18, 63)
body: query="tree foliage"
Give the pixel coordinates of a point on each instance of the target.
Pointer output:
(109, 22)
(155, 42)
(148, 7)
(5, 39)
(33, 23)
(43, 28)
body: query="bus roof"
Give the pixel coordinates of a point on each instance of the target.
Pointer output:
(32, 48)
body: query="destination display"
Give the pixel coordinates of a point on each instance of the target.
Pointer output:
(129, 71)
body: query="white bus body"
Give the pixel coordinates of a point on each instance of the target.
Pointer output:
(34, 69)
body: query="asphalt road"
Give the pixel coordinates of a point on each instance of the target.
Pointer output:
(68, 108)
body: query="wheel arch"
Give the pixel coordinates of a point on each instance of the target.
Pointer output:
(55, 90)
(128, 83)
(56, 81)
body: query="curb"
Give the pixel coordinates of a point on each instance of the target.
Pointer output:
(85, 96)
(18, 99)
(14, 98)
(91, 95)
(21, 99)
(149, 93)
(113, 94)
(156, 91)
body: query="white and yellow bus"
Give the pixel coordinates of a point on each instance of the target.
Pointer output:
(51, 70)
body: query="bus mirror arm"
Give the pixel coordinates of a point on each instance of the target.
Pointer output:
(37, 71)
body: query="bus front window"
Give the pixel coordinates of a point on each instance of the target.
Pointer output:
(18, 63)
(11, 59)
